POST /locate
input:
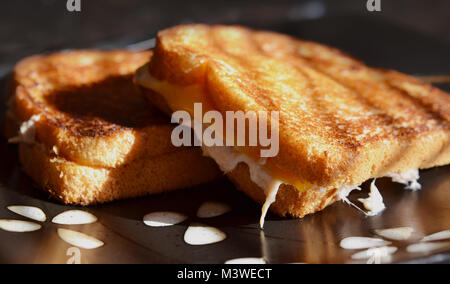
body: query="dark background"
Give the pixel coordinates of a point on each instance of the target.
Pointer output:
(28, 27)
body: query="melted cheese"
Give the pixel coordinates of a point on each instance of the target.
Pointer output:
(228, 158)
(27, 131)
(409, 178)
(177, 97)
(374, 203)
(184, 97)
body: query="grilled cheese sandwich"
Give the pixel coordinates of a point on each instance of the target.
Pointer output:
(184, 97)
(227, 158)
(341, 122)
(86, 134)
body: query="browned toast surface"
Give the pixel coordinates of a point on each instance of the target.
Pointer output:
(96, 137)
(341, 122)
(89, 108)
(72, 183)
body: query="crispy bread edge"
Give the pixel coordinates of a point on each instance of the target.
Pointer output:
(71, 183)
(94, 147)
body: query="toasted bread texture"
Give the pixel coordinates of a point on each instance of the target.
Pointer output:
(341, 122)
(95, 137)
(72, 183)
(90, 110)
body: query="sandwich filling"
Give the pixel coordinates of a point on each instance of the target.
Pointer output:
(184, 97)
(27, 131)
(374, 203)
(409, 178)
(228, 158)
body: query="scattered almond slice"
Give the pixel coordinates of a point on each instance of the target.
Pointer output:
(198, 234)
(30, 212)
(79, 239)
(163, 219)
(74, 217)
(362, 243)
(212, 209)
(397, 234)
(19, 226)
(428, 247)
(381, 252)
(444, 235)
(246, 260)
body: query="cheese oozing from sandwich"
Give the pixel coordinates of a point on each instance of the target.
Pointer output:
(225, 156)
(409, 178)
(27, 131)
(228, 158)
(184, 97)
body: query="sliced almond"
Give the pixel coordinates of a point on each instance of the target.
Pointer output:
(79, 239)
(30, 212)
(74, 217)
(212, 209)
(428, 247)
(375, 252)
(163, 219)
(397, 234)
(444, 235)
(362, 243)
(246, 260)
(19, 226)
(198, 234)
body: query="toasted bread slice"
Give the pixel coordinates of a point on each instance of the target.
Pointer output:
(72, 183)
(341, 122)
(89, 109)
(94, 138)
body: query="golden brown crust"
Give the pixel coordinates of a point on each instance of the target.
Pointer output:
(72, 183)
(89, 107)
(97, 138)
(292, 202)
(341, 122)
